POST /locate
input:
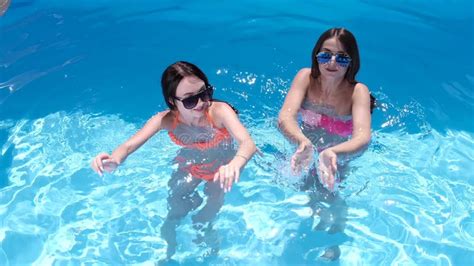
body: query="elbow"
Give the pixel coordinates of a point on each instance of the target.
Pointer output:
(248, 146)
(281, 118)
(252, 146)
(365, 141)
(361, 141)
(281, 122)
(286, 119)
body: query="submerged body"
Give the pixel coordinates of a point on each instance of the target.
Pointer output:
(205, 148)
(323, 126)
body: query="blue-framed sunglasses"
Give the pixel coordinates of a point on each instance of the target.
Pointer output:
(205, 94)
(342, 59)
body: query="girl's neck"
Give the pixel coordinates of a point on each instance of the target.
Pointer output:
(330, 87)
(192, 121)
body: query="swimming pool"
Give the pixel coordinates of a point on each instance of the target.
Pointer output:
(77, 79)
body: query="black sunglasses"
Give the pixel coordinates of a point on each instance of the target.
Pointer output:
(205, 94)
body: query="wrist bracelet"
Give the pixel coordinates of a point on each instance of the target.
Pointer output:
(246, 159)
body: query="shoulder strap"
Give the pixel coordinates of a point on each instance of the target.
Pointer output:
(175, 121)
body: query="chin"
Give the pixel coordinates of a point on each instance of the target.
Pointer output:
(336, 74)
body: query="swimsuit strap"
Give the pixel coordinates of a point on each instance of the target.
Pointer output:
(220, 135)
(175, 122)
(210, 120)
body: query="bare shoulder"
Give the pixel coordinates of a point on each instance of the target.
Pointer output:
(306, 71)
(301, 82)
(163, 119)
(220, 111)
(303, 75)
(360, 89)
(361, 95)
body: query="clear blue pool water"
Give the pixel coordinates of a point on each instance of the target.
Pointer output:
(79, 78)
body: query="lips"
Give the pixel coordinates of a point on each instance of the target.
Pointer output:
(331, 70)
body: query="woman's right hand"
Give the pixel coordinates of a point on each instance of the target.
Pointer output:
(104, 162)
(303, 157)
(327, 168)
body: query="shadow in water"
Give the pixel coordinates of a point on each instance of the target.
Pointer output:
(320, 242)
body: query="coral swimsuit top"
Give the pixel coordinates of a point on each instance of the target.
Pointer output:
(325, 117)
(208, 141)
(194, 137)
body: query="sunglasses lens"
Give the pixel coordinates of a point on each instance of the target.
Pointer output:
(190, 102)
(343, 60)
(323, 57)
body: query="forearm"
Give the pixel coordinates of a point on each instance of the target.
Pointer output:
(245, 151)
(121, 153)
(351, 146)
(289, 127)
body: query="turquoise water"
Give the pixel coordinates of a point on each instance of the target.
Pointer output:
(76, 79)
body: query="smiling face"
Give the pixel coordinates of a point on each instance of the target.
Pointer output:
(332, 69)
(187, 87)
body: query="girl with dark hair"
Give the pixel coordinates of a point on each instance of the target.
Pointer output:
(335, 111)
(205, 128)
(334, 107)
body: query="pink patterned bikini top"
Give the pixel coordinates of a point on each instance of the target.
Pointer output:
(325, 117)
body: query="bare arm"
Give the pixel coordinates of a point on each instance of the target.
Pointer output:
(154, 124)
(230, 172)
(288, 123)
(287, 118)
(246, 145)
(361, 120)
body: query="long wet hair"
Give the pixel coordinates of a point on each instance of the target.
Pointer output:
(349, 43)
(173, 74)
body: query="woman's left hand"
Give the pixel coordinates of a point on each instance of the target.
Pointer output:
(227, 174)
(327, 168)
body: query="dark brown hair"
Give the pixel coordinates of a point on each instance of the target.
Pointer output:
(173, 74)
(349, 44)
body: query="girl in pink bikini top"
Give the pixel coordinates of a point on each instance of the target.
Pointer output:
(323, 126)
(322, 116)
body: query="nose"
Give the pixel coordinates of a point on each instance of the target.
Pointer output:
(332, 61)
(200, 103)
